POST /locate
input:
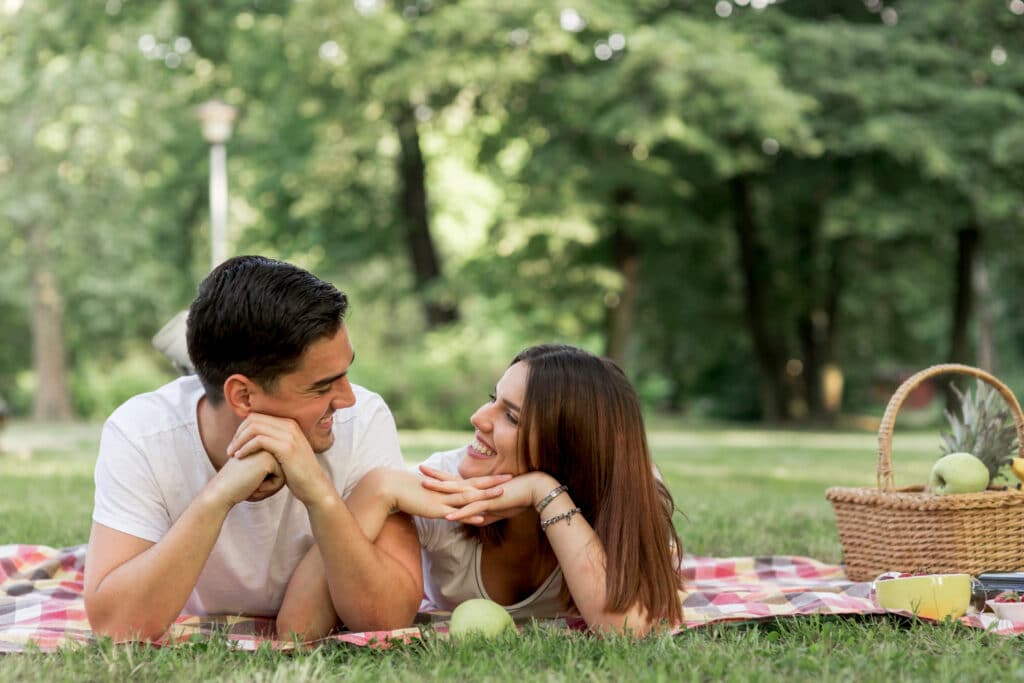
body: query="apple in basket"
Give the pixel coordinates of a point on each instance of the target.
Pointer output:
(958, 473)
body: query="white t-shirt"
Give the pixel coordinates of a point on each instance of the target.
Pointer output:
(451, 563)
(152, 465)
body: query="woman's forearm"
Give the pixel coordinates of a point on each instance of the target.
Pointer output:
(378, 495)
(581, 557)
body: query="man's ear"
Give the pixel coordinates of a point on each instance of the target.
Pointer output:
(239, 392)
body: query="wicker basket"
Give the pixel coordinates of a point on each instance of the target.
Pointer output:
(907, 530)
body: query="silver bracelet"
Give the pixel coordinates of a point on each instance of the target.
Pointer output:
(546, 500)
(567, 516)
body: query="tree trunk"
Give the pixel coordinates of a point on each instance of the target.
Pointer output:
(413, 202)
(52, 400)
(816, 322)
(967, 240)
(832, 376)
(810, 324)
(626, 256)
(766, 350)
(987, 359)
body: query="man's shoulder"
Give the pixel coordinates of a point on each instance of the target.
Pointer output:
(160, 410)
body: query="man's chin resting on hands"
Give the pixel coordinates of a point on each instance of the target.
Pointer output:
(222, 493)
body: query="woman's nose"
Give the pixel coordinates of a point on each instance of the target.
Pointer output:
(480, 418)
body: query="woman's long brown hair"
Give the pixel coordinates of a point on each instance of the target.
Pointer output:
(581, 423)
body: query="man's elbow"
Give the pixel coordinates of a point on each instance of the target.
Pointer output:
(301, 631)
(387, 615)
(122, 625)
(406, 612)
(292, 624)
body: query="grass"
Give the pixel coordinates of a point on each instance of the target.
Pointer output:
(741, 492)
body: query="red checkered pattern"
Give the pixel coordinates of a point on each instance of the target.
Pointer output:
(41, 601)
(743, 588)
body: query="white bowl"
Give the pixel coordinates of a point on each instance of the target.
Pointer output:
(1011, 611)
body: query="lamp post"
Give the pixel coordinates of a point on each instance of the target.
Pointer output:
(217, 120)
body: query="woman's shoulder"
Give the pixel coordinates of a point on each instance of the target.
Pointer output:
(446, 461)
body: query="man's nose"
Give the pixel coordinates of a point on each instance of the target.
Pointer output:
(344, 396)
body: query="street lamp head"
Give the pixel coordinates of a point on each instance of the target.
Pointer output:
(217, 118)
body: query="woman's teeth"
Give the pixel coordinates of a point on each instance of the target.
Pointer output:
(481, 448)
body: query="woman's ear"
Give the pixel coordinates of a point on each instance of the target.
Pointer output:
(239, 391)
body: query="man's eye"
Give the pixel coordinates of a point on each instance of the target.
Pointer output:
(323, 390)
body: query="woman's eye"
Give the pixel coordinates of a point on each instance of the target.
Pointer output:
(512, 418)
(492, 397)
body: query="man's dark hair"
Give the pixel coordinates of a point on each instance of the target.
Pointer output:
(256, 316)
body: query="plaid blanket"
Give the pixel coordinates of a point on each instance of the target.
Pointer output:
(41, 601)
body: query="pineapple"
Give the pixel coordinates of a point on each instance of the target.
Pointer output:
(983, 427)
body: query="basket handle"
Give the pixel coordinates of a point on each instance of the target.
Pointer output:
(886, 481)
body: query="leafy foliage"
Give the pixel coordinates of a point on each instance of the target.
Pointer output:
(588, 172)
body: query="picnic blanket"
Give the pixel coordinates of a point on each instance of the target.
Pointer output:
(41, 601)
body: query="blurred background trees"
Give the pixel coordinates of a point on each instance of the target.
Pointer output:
(761, 210)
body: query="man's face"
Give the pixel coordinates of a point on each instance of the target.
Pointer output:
(314, 390)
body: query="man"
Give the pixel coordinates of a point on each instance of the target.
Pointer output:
(181, 525)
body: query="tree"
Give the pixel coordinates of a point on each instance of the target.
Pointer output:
(76, 167)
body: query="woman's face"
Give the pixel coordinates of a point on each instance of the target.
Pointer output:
(494, 450)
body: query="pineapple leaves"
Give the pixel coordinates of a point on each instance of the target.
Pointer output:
(982, 426)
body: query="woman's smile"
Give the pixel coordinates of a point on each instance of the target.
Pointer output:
(479, 449)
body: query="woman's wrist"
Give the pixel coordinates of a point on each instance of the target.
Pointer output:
(543, 484)
(550, 497)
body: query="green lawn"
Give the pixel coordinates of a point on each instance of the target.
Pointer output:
(741, 492)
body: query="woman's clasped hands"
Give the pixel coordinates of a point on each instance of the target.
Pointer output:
(483, 500)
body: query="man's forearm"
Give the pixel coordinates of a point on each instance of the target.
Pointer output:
(371, 589)
(142, 597)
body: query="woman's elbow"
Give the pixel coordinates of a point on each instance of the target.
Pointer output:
(635, 632)
(631, 625)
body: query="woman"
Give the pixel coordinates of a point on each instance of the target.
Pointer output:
(554, 508)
